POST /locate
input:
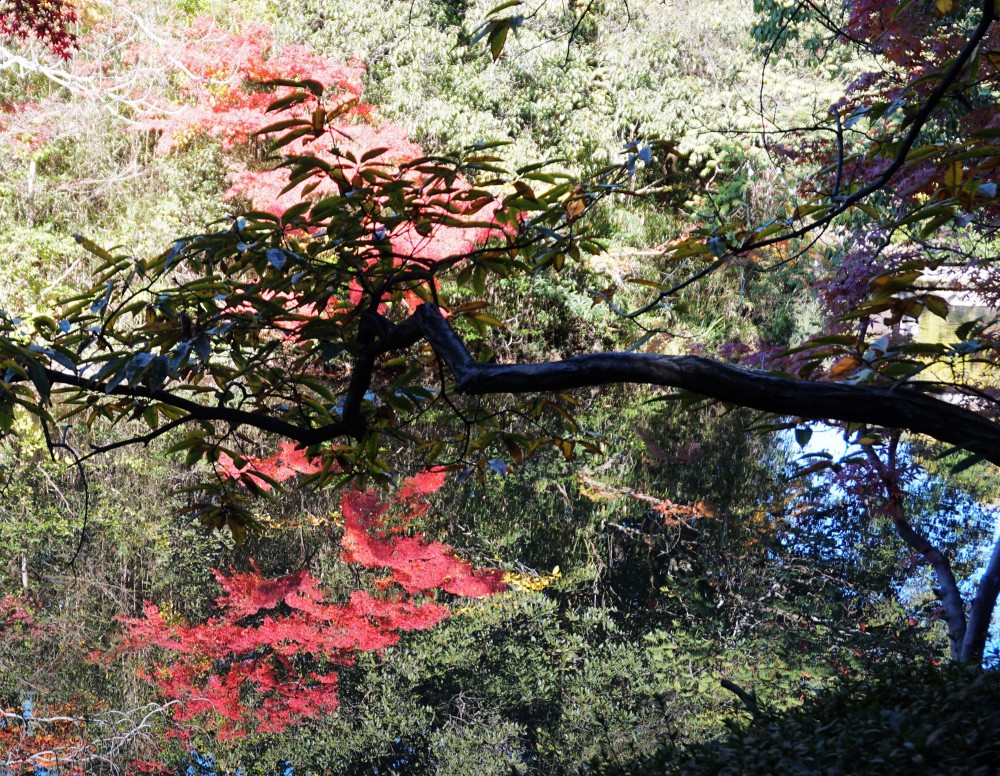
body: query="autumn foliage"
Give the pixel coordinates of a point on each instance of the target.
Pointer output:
(315, 314)
(49, 21)
(272, 651)
(232, 84)
(288, 462)
(915, 43)
(226, 82)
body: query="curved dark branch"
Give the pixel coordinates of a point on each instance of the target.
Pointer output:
(196, 411)
(901, 407)
(143, 439)
(951, 595)
(949, 78)
(749, 701)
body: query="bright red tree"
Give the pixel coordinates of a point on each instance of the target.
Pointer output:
(273, 650)
(231, 83)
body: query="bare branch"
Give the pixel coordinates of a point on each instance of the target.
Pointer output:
(951, 596)
(748, 699)
(900, 407)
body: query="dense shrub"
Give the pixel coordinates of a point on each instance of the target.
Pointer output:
(913, 720)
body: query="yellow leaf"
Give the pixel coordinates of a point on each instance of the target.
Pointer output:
(489, 320)
(576, 204)
(944, 6)
(92, 247)
(953, 175)
(470, 307)
(238, 531)
(901, 281)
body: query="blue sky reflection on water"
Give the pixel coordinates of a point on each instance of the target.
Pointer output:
(831, 441)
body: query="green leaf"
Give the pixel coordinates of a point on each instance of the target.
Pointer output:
(934, 224)
(195, 453)
(278, 126)
(287, 102)
(372, 153)
(94, 248)
(936, 305)
(497, 40)
(964, 331)
(489, 320)
(290, 137)
(925, 214)
(37, 374)
(894, 282)
(295, 212)
(502, 7)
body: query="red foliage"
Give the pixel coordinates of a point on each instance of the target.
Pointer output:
(155, 767)
(14, 613)
(290, 461)
(914, 45)
(223, 93)
(945, 187)
(415, 564)
(46, 20)
(272, 652)
(221, 77)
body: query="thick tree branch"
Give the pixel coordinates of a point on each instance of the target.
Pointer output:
(981, 613)
(378, 336)
(749, 701)
(900, 407)
(951, 596)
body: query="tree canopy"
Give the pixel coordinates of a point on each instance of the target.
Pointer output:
(341, 326)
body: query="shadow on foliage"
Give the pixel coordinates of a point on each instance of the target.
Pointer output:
(905, 719)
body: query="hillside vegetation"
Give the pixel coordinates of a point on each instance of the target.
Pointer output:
(623, 580)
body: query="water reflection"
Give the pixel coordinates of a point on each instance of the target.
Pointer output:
(962, 521)
(934, 330)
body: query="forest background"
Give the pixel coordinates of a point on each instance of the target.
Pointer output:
(609, 573)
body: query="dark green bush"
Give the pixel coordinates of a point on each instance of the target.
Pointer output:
(907, 720)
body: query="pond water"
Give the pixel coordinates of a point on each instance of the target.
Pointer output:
(937, 330)
(934, 330)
